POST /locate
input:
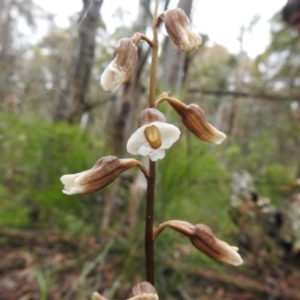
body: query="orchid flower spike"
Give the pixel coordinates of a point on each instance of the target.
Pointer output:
(178, 27)
(153, 136)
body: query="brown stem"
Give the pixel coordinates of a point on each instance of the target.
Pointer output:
(149, 249)
(127, 163)
(154, 59)
(183, 227)
(149, 244)
(142, 168)
(140, 36)
(179, 106)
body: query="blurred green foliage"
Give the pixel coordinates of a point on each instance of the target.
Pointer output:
(193, 179)
(34, 154)
(193, 184)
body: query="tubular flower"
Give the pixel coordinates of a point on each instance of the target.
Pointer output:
(153, 136)
(104, 171)
(178, 27)
(203, 239)
(193, 118)
(121, 68)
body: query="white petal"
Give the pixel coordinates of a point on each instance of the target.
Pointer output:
(112, 78)
(232, 256)
(234, 248)
(81, 176)
(145, 150)
(72, 183)
(192, 40)
(219, 136)
(137, 143)
(234, 259)
(157, 154)
(69, 178)
(137, 140)
(169, 134)
(73, 190)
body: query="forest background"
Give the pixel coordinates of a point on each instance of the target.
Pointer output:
(55, 119)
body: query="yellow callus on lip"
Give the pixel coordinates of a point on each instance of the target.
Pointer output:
(152, 135)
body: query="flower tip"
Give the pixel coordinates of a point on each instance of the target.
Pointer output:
(121, 68)
(193, 40)
(72, 190)
(111, 79)
(219, 137)
(64, 178)
(66, 192)
(177, 25)
(230, 255)
(237, 261)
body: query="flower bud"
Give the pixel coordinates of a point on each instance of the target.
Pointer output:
(203, 239)
(193, 118)
(150, 115)
(143, 291)
(121, 68)
(178, 27)
(104, 171)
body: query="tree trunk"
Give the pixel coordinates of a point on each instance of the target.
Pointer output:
(121, 114)
(6, 57)
(84, 58)
(124, 107)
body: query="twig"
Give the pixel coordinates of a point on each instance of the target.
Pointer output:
(272, 97)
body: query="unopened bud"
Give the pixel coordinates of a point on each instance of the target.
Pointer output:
(150, 115)
(193, 118)
(143, 291)
(104, 171)
(178, 27)
(121, 68)
(204, 240)
(195, 121)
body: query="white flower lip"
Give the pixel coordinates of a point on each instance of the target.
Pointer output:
(177, 25)
(72, 183)
(190, 40)
(217, 136)
(112, 77)
(121, 68)
(137, 143)
(230, 255)
(208, 243)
